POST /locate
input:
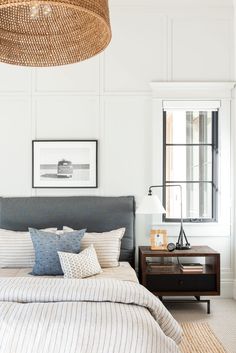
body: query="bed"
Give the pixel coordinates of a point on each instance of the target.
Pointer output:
(107, 313)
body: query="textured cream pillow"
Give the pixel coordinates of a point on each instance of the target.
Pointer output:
(16, 248)
(107, 245)
(84, 264)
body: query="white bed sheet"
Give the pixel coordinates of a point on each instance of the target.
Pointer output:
(123, 272)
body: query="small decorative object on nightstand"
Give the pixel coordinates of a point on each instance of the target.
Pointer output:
(158, 239)
(162, 273)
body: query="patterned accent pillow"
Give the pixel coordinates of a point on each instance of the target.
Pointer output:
(46, 246)
(16, 248)
(84, 264)
(107, 245)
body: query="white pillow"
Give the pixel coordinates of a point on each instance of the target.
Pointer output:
(16, 248)
(107, 245)
(84, 264)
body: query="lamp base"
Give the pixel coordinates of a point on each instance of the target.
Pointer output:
(180, 243)
(182, 247)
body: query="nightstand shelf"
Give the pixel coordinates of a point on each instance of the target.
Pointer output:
(175, 269)
(169, 280)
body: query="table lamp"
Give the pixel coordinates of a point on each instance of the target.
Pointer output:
(151, 204)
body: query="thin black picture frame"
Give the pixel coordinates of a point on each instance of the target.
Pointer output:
(64, 187)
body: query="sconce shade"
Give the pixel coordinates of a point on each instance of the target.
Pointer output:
(150, 204)
(54, 32)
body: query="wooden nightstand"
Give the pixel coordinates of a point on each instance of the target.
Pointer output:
(164, 278)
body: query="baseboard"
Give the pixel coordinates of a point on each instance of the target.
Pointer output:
(227, 288)
(234, 288)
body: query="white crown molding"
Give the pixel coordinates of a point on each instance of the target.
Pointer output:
(173, 4)
(191, 90)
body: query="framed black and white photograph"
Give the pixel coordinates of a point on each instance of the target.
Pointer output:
(64, 164)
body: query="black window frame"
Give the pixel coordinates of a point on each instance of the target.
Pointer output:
(213, 182)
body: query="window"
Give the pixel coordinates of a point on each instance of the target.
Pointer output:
(190, 159)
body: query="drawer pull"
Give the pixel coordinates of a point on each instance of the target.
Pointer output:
(181, 282)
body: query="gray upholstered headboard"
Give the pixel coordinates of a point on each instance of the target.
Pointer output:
(97, 214)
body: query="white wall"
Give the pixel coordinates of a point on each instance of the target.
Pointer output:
(233, 132)
(108, 97)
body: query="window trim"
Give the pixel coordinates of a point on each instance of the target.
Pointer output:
(214, 182)
(223, 92)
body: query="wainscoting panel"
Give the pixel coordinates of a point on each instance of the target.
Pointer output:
(69, 117)
(80, 77)
(202, 49)
(15, 147)
(14, 79)
(127, 145)
(135, 57)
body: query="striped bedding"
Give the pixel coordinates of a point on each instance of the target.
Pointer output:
(53, 315)
(106, 244)
(122, 272)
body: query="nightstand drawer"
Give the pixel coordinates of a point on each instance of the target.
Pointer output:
(181, 283)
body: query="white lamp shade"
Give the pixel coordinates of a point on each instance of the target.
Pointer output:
(150, 205)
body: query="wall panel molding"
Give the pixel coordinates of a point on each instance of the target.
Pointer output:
(172, 4)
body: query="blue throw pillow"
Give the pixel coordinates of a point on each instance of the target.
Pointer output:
(46, 246)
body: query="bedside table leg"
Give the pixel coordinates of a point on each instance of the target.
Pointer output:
(208, 307)
(197, 300)
(208, 302)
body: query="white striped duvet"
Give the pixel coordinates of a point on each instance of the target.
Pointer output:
(49, 315)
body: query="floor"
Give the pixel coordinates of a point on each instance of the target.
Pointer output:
(222, 318)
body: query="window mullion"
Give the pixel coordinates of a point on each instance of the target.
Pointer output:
(196, 129)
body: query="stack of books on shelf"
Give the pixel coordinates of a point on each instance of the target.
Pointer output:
(159, 263)
(191, 267)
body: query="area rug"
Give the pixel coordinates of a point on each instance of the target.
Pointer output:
(199, 338)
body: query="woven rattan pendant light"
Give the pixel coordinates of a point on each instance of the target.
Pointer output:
(55, 32)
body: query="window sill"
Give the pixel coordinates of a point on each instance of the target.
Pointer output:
(211, 229)
(192, 223)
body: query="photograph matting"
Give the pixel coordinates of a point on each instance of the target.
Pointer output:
(64, 164)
